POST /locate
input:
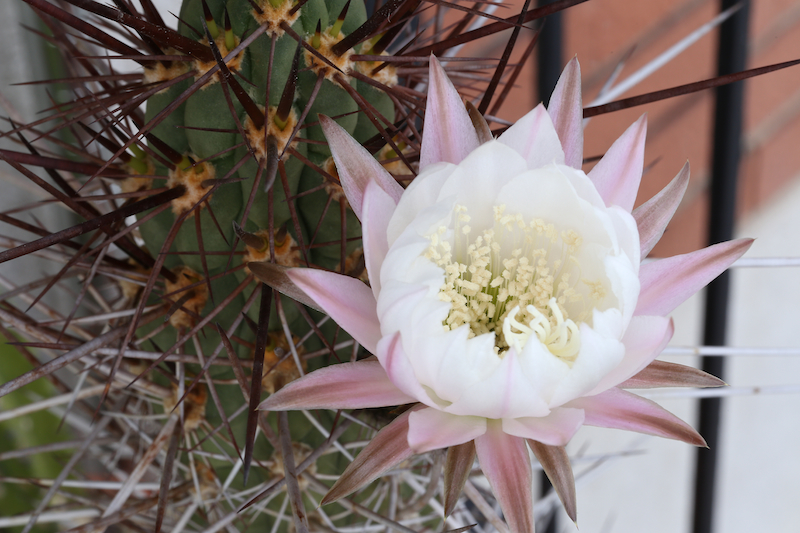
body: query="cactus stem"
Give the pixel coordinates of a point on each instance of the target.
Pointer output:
(250, 107)
(210, 22)
(337, 26)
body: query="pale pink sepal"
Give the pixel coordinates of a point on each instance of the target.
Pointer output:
(356, 166)
(555, 463)
(555, 429)
(653, 216)
(618, 173)
(566, 110)
(534, 138)
(505, 463)
(359, 385)
(386, 449)
(645, 338)
(667, 283)
(431, 429)
(349, 302)
(457, 467)
(449, 133)
(619, 409)
(378, 208)
(664, 374)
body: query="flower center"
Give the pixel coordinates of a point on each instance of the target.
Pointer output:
(520, 279)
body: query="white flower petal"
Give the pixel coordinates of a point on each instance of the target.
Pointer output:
(601, 352)
(420, 194)
(503, 394)
(477, 180)
(534, 138)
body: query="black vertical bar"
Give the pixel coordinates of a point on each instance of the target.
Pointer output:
(549, 66)
(549, 54)
(731, 57)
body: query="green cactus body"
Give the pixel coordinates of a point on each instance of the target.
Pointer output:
(204, 131)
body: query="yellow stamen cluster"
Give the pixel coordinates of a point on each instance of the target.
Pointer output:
(516, 279)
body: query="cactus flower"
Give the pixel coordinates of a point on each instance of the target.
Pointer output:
(506, 297)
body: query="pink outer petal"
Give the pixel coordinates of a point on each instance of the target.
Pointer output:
(644, 339)
(664, 374)
(359, 385)
(618, 173)
(653, 216)
(449, 133)
(555, 429)
(566, 110)
(431, 429)
(386, 449)
(667, 283)
(378, 208)
(356, 166)
(348, 300)
(505, 462)
(616, 408)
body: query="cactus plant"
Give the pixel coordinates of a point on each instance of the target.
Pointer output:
(214, 146)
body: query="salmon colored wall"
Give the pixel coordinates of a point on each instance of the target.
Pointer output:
(602, 32)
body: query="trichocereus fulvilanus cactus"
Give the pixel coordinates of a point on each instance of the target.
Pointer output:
(247, 142)
(189, 173)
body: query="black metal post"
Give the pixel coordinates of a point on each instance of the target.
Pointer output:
(549, 66)
(549, 54)
(731, 57)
